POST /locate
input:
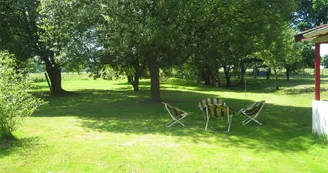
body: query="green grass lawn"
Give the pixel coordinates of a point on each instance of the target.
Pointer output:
(105, 127)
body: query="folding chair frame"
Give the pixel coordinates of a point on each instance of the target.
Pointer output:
(250, 117)
(229, 116)
(174, 119)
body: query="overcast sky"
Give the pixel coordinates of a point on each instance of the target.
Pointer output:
(323, 49)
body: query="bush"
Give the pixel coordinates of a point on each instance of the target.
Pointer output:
(15, 100)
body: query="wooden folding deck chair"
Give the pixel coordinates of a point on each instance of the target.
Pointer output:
(176, 114)
(210, 101)
(252, 111)
(218, 111)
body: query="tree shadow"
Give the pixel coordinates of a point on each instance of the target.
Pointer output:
(23, 145)
(262, 85)
(279, 132)
(296, 85)
(285, 128)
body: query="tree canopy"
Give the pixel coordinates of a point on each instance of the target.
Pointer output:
(135, 36)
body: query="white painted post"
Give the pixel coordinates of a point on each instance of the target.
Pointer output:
(320, 117)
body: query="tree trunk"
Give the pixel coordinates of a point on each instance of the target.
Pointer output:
(215, 74)
(154, 77)
(268, 72)
(218, 81)
(208, 75)
(276, 81)
(54, 73)
(205, 76)
(242, 73)
(255, 72)
(134, 81)
(227, 75)
(287, 72)
(135, 85)
(200, 75)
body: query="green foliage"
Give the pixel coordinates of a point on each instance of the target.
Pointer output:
(184, 71)
(321, 139)
(307, 54)
(15, 100)
(16, 24)
(311, 13)
(230, 31)
(21, 35)
(67, 34)
(131, 35)
(33, 65)
(106, 72)
(324, 61)
(281, 52)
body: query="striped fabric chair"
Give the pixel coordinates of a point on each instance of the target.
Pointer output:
(218, 111)
(210, 101)
(175, 113)
(252, 111)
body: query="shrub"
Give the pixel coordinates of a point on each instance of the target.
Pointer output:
(16, 102)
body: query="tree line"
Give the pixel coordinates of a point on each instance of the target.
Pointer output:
(134, 36)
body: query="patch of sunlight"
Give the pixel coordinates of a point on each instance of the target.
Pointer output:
(132, 96)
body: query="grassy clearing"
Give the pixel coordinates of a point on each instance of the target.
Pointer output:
(106, 127)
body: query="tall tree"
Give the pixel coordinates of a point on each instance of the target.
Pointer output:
(282, 52)
(240, 28)
(16, 36)
(310, 13)
(274, 43)
(69, 41)
(21, 36)
(153, 33)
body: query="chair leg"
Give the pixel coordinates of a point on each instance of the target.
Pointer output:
(252, 119)
(229, 123)
(184, 116)
(177, 121)
(208, 119)
(180, 123)
(247, 119)
(169, 124)
(258, 122)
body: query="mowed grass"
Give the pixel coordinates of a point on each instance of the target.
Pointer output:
(103, 126)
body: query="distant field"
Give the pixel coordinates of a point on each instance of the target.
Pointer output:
(40, 77)
(106, 127)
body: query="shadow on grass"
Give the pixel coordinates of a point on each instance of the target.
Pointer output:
(9, 146)
(279, 132)
(285, 128)
(262, 85)
(297, 84)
